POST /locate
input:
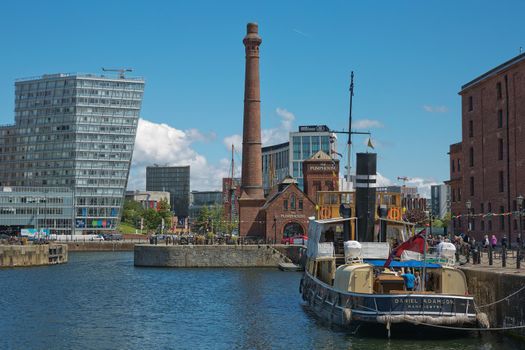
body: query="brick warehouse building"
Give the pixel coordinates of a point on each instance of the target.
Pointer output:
(286, 211)
(487, 167)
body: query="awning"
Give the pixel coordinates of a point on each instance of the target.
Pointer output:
(409, 263)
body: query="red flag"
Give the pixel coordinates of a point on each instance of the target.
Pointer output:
(415, 243)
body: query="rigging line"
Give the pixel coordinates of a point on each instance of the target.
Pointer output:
(507, 297)
(466, 328)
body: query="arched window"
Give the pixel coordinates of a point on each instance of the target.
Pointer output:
(292, 202)
(293, 229)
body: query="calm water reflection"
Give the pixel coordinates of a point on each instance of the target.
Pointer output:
(101, 301)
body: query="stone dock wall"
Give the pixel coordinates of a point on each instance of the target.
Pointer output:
(208, 256)
(33, 255)
(109, 246)
(489, 286)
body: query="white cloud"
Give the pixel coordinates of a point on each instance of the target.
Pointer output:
(423, 185)
(435, 109)
(366, 124)
(280, 134)
(235, 140)
(270, 136)
(383, 181)
(164, 145)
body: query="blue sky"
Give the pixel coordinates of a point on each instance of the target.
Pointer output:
(410, 59)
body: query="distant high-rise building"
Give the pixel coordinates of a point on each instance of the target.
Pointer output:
(276, 165)
(203, 199)
(176, 181)
(440, 200)
(286, 159)
(76, 131)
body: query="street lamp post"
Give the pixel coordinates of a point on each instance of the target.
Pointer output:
(520, 208)
(469, 206)
(468, 203)
(274, 230)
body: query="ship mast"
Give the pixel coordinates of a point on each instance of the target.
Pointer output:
(350, 132)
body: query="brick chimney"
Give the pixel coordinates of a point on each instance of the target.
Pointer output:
(252, 195)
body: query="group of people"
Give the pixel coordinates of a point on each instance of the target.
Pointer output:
(493, 241)
(412, 280)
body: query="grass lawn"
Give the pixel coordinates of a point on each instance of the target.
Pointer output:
(126, 228)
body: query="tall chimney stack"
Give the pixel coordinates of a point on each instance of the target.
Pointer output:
(251, 220)
(251, 181)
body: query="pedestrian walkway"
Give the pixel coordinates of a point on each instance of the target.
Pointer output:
(497, 263)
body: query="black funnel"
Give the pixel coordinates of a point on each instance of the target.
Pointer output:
(365, 193)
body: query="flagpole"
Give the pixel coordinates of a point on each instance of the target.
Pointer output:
(424, 275)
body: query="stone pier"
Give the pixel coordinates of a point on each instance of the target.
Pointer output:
(33, 255)
(208, 256)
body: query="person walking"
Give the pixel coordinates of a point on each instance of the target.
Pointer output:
(504, 242)
(493, 241)
(486, 242)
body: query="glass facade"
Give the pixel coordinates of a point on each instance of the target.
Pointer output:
(275, 162)
(304, 145)
(201, 199)
(76, 131)
(36, 207)
(176, 181)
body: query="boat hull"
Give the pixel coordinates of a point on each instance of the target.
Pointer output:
(348, 309)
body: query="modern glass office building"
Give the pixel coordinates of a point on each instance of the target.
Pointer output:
(307, 142)
(276, 165)
(49, 208)
(176, 181)
(202, 199)
(76, 131)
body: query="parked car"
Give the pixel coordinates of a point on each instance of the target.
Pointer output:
(112, 237)
(299, 239)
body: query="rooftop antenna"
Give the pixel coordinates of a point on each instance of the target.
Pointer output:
(121, 71)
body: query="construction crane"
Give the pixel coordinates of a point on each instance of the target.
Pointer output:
(121, 71)
(404, 179)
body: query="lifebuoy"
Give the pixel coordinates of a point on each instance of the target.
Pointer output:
(394, 214)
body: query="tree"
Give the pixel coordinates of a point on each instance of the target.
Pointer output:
(437, 223)
(211, 219)
(447, 218)
(416, 216)
(163, 209)
(152, 219)
(132, 212)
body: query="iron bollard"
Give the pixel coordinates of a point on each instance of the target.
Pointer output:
(490, 255)
(503, 257)
(468, 255)
(518, 257)
(479, 254)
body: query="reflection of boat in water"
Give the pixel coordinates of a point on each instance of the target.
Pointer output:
(346, 282)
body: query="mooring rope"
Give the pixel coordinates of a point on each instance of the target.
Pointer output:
(499, 301)
(466, 328)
